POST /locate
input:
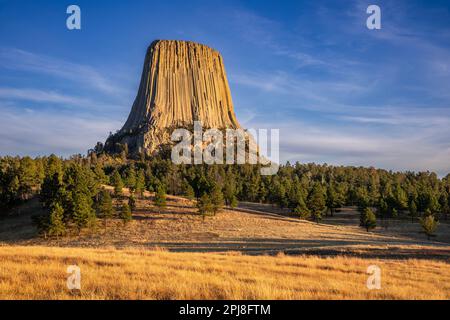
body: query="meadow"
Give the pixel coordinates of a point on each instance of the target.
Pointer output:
(243, 253)
(36, 272)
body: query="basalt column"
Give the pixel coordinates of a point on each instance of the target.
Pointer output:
(181, 82)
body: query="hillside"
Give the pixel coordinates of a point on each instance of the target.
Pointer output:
(214, 258)
(179, 228)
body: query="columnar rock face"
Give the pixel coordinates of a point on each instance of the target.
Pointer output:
(181, 82)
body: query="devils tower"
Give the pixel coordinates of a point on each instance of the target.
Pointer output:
(181, 82)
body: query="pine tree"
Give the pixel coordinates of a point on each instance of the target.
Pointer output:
(252, 189)
(91, 223)
(412, 210)
(26, 174)
(117, 183)
(363, 199)
(131, 177)
(53, 165)
(429, 225)
(374, 192)
(205, 205)
(125, 213)
(140, 183)
(217, 199)
(229, 193)
(316, 202)
(83, 214)
(401, 198)
(332, 201)
(13, 189)
(51, 190)
(105, 206)
(160, 198)
(188, 191)
(79, 191)
(368, 219)
(280, 195)
(382, 208)
(100, 175)
(301, 209)
(434, 205)
(56, 226)
(262, 194)
(444, 204)
(132, 202)
(233, 202)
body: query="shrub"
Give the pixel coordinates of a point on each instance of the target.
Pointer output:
(429, 225)
(368, 219)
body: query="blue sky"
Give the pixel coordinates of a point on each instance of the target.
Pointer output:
(339, 92)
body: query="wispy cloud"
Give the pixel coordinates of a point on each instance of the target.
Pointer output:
(38, 120)
(37, 95)
(404, 150)
(27, 132)
(12, 58)
(64, 101)
(326, 92)
(407, 34)
(383, 101)
(264, 32)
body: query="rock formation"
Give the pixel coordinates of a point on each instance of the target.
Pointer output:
(181, 82)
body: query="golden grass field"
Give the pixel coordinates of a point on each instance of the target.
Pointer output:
(234, 255)
(40, 273)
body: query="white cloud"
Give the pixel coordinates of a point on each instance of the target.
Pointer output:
(34, 133)
(324, 93)
(38, 121)
(407, 149)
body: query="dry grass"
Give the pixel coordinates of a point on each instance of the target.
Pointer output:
(40, 273)
(133, 262)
